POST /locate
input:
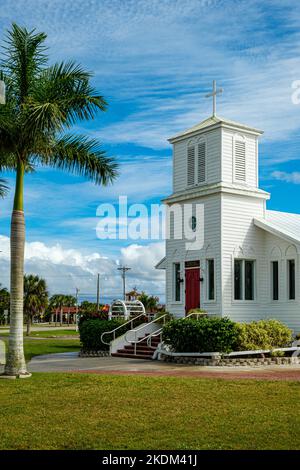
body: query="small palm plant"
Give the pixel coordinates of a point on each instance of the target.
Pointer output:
(42, 104)
(35, 298)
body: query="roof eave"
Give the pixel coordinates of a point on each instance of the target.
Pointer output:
(269, 227)
(161, 264)
(249, 130)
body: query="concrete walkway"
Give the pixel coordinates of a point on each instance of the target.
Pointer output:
(70, 362)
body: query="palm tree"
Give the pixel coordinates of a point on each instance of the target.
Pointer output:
(58, 301)
(152, 303)
(35, 297)
(4, 302)
(42, 103)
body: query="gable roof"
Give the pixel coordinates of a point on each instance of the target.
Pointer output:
(281, 224)
(214, 121)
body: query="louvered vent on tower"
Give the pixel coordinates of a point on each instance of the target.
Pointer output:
(240, 161)
(201, 162)
(191, 166)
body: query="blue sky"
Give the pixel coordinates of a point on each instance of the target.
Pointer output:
(154, 61)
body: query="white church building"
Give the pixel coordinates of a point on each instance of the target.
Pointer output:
(249, 265)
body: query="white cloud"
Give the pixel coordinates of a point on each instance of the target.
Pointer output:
(142, 260)
(66, 269)
(293, 177)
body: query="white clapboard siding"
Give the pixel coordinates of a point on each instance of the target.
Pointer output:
(176, 253)
(191, 166)
(201, 162)
(240, 160)
(239, 231)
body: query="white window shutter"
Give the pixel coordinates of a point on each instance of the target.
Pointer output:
(191, 166)
(201, 162)
(240, 161)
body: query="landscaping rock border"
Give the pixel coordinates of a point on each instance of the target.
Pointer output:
(94, 354)
(247, 362)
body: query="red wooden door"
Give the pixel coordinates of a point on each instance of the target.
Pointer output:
(192, 289)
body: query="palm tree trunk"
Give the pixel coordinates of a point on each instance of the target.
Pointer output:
(15, 364)
(28, 329)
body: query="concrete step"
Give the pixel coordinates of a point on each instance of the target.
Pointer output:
(145, 352)
(132, 356)
(138, 348)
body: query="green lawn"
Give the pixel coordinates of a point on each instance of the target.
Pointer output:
(35, 347)
(54, 333)
(79, 411)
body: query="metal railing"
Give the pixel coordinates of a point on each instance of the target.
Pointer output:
(136, 332)
(197, 314)
(135, 341)
(153, 335)
(113, 332)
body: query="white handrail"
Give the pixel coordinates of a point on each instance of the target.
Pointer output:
(155, 333)
(197, 314)
(118, 327)
(135, 341)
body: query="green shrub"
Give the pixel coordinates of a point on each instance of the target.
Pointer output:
(277, 354)
(202, 335)
(263, 334)
(92, 329)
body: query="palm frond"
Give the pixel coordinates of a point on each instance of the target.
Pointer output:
(3, 188)
(24, 57)
(61, 96)
(84, 157)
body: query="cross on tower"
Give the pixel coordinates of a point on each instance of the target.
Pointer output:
(214, 94)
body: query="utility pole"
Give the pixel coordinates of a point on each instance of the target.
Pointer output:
(76, 316)
(123, 270)
(98, 291)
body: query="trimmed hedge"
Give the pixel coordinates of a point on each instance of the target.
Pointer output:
(92, 329)
(263, 334)
(202, 335)
(223, 335)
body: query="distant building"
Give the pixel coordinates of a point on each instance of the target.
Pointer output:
(64, 315)
(132, 295)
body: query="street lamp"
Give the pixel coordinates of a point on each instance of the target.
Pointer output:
(2, 92)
